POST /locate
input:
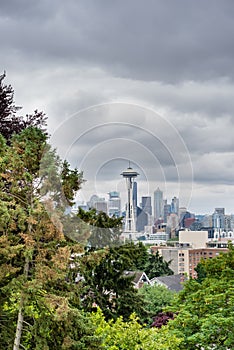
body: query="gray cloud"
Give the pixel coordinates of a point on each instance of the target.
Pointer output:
(160, 40)
(159, 58)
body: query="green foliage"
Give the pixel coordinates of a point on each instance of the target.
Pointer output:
(201, 272)
(71, 182)
(157, 266)
(62, 327)
(105, 230)
(34, 254)
(206, 307)
(108, 286)
(132, 335)
(156, 298)
(137, 255)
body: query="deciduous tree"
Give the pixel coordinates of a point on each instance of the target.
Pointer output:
(156, 298)
(206, 306)
(132, 335)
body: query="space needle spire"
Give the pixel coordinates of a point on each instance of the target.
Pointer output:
(130, 224)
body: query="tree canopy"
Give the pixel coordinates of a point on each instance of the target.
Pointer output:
(107, 285)
(205, 306)
(156, 298)
(156, 266)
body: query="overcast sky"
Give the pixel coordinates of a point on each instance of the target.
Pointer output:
(151, 82)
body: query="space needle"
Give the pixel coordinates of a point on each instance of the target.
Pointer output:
(130, 225)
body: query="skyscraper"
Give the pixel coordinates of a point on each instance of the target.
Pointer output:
(114, 204)
(218, 218)
(158, 204)
(166, 211)
(146, 204)
(134, 195)
(175, 205)
(98, 203)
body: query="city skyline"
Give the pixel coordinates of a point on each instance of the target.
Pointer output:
(123, 200)
(154, 85)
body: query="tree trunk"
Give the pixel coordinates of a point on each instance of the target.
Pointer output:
(19, 326)
(20, 320)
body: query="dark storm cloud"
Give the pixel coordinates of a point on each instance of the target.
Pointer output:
(172, 57)
(157, 40)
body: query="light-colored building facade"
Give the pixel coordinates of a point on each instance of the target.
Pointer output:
(192, 247)
(185, 260)
(193, 239)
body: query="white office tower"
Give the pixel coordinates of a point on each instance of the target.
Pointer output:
(130, 222)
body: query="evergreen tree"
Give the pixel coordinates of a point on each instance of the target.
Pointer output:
(108, 286)
(104, 230)
(157, 266)
(39, 301)
(137, 255)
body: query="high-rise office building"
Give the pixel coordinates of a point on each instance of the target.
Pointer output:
(114, 204)
(134, 194)
(98, 203)
(173, 224)
(175, 205)
(142, 219)
(166, 211)
(158, 204)
(146, 204)
(218, 218)
(220, 211)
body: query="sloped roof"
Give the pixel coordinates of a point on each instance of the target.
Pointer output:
(138, 276)
(172, 282)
